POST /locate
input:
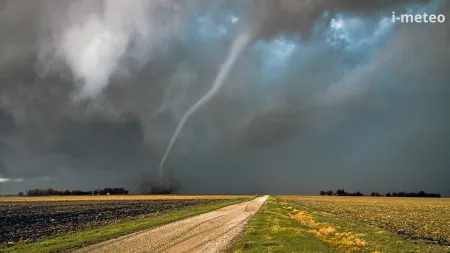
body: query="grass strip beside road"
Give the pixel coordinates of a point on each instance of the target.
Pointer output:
(272, 229)
(96, 235)
(286, 226)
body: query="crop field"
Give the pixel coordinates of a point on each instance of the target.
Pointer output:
(26, 220)
(411, 218)
(348, 224)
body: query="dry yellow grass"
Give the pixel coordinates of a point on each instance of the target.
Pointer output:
(347, 241)
(122, 197)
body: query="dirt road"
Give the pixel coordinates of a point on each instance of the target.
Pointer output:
(209, 232)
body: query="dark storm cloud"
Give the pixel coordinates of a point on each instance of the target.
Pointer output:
(6, 123)
(2, 168)
(266, 129)
(381, 126)
(121, 144)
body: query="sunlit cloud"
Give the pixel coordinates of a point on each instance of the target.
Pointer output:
(14, 180)
(278, 50)
(3, 180)
(353, 33)
(337, 24)
(275, 55)
(233, 19)
(208, 28)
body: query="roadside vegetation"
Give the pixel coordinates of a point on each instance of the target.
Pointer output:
(289, 224)
(272, 229)
(70, 237)
(412, 218)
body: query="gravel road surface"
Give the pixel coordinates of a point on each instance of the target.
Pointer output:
(209, 232)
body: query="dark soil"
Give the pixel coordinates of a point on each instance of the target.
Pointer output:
(29, 221)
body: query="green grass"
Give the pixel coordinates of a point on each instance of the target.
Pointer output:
(272, 230)
(286, 226)
(99, 234)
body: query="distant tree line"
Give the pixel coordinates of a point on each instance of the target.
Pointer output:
(420, 194)
(52, 192)
(342, 192)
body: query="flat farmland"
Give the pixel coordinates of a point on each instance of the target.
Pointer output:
(348, 224)
(412, 218)
(26, 220)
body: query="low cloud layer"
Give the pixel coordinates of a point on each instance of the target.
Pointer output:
(91, 92)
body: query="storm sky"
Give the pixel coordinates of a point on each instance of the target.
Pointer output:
(330, 94)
